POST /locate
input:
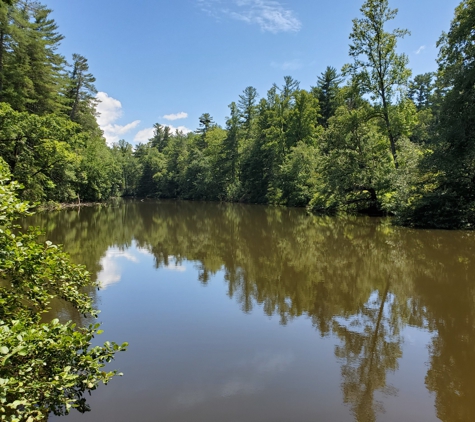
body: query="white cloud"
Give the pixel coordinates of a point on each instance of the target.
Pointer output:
(243, 378)
(174, 266)
(289, 65)
(270, 15)
(110, 110)
(420, 49)
(128, 256)
(176, 116)
(111, 272)
(113, 133)
(206, 6)
(183, 129)
(145, 134)
(143, 251)
(179, 268)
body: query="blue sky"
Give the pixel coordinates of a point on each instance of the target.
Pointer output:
(170, 61)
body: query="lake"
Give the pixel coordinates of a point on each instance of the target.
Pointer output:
(242, 313)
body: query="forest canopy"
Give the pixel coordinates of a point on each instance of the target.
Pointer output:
(371, 137)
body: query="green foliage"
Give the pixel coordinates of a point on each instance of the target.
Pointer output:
(126, 163)
(377, 67)
(247, 105)
(30, 69)
(99, 175)
(299, 176)
(355, 164)
(44, 366)
(81, 92)
(365, 140)
(421, 90)
(154, 172)
(54, 159)
(40, 152)
(327, 93)
(447, 199)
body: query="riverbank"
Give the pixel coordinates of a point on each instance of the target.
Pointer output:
(57, 206)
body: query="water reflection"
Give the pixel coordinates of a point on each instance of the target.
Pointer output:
(360, 281)
(371, 346)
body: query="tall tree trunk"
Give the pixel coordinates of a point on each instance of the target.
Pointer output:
(2, 40)
(365, 380)
(76, 102)
(392, 138)
(378, 324)
(387, 121)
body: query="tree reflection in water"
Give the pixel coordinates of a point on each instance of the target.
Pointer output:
(359, 279)
(370, 348)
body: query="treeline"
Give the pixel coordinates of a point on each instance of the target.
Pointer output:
(366, 139)
(369, 138)
(49, 136)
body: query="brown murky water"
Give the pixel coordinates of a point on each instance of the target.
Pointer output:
(255, 314)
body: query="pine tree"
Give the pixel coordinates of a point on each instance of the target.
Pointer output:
(420, 90)
(326, 91)
(15, 85)
(247, 106)
(45, 65)
(161, 136)
(231, 144)
(82, 92)
(206, 124)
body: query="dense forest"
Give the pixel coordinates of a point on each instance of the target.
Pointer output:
(370, 137)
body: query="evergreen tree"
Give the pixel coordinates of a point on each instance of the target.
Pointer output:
(290, 86)
(82, 92)
(303, 120)
(421, 89)
(231, 146)
(31, 74)
(45, 66)
(257, 157)
(15, 86)
(247, 106)
(326, 91)
(206, 123)
(161, 136)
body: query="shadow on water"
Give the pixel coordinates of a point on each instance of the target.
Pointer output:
(359, 280)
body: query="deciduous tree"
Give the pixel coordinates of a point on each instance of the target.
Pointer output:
(377, 66)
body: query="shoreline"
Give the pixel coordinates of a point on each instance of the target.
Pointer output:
(65, 205)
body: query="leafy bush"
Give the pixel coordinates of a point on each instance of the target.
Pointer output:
(44, 366)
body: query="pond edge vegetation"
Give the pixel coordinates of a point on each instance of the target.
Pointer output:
(366, 139)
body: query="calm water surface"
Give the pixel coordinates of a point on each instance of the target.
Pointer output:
(252, 314)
